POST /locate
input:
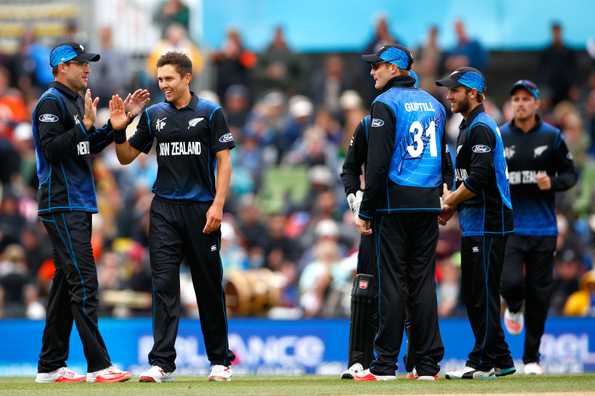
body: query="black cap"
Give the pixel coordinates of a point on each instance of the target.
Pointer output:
(67, 52)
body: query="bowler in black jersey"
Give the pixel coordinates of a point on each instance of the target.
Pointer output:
(193, 140)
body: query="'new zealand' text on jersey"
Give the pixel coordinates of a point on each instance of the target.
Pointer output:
(542, 149)
(187, 141)
(63, 149)
(406, 151)
(481, 166)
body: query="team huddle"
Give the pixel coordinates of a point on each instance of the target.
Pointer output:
(411, 187)
(508, 224)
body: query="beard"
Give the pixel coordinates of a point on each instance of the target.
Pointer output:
(462, 106)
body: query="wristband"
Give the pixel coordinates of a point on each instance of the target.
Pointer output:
(120, 136)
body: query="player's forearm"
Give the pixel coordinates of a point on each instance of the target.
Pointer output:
(461, 194)
(223, 179)
(126, 153)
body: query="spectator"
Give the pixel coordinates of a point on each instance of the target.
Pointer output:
(467, 51)
(172, 12)
(582, 302)
(329, 83)
(175, 40)
(233, 63)
(112, 75)
(558, 66)
(428, 59)
(277, 66)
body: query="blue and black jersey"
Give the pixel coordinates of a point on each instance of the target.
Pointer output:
(542, 149)
(187, 141)
(63, 149)
(406, 159)
(480, 165)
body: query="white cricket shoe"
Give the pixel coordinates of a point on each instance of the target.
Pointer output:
(514, 321)
(352, 371)
(533, 369)
(470, 373)
(220, 373)
(63, 374)
(108, 375)
(156, 374)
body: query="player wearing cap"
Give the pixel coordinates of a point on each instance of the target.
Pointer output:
(539, 165)
(192, 140)
(65, 138)
(482, 198)
(405, 171)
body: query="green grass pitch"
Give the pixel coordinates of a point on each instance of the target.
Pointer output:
(583, 384)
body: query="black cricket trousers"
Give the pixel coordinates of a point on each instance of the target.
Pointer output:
(481, 269)
(406, 250)
(531, 283)
(175, 234)
(73, 294)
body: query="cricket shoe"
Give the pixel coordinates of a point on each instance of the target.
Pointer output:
(220, 373)
(503, 372)
(156, 374)
(471, 373)
(533, 369)
(351, 372)
(108, 375)
(514, 322)
(61, 375)
(367, 376)
(411, 375)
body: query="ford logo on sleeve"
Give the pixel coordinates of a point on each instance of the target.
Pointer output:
(481, 149)
(48, 118)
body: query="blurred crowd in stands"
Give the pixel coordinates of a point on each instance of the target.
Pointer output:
(292, 120)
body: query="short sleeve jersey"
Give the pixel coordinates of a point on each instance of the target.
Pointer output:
(187, 140)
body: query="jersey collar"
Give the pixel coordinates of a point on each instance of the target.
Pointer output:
(191, 105)
(399, 82)
(474, 113)
(65, 90)
(538, 122)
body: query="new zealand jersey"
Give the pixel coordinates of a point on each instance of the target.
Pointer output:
(187, 141)
(407, 159)
(481, 166)
(63, 149)
(542, 149)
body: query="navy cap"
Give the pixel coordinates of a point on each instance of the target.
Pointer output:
(395, 54)
(528, 86)
(464, 76)
(67, 52)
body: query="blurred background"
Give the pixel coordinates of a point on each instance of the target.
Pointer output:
(289, 77)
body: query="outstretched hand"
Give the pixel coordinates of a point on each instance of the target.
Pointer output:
(90, 109)
(136, 101)
(118, 117)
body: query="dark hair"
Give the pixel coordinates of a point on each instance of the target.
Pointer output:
(180, 61)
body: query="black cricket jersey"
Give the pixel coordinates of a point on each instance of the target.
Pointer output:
(63, 149)
(355, 158)
(481, 166)
(187, 141)
(542, 149)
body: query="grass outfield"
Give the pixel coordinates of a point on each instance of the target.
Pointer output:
(307, 386)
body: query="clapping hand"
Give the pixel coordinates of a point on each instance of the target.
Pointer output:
(118, 117)
(90, 109)
(135, 102)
